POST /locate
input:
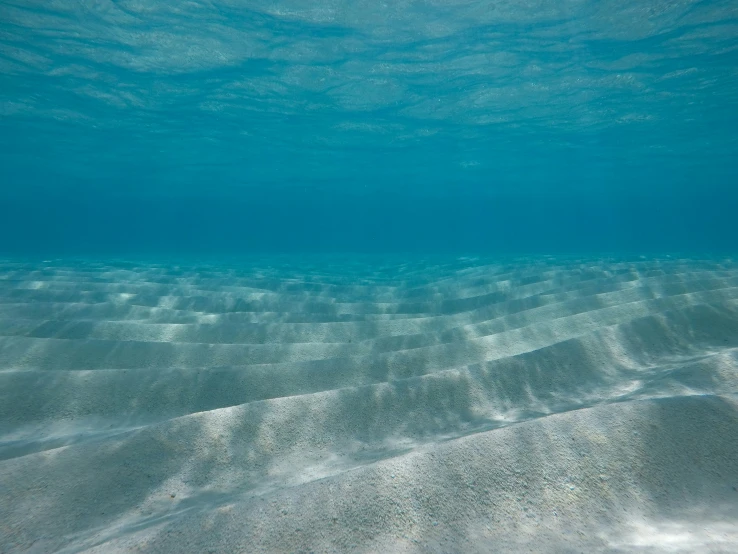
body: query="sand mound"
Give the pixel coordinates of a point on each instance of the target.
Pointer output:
(322, 405)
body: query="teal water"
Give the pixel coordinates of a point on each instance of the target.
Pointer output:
(230, 127)
(434, 276)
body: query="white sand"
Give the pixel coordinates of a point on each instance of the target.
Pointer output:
(293, 406)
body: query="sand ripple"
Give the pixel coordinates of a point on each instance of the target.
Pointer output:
(370, 405)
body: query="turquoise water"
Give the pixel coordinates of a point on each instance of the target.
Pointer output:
(439, 276)
(145, 126)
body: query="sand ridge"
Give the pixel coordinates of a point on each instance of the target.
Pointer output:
(454, 405)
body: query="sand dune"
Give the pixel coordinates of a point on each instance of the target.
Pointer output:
(358, 404)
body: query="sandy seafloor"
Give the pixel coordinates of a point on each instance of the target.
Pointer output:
(370, 405)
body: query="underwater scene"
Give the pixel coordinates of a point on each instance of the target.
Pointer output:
(401, 276)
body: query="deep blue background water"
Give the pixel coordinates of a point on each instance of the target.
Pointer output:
(147, 126)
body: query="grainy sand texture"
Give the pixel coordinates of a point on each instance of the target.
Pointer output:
(364, 404)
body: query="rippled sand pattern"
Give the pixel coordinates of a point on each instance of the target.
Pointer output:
(361, 404)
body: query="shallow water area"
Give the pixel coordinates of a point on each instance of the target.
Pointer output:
(401, 276)
(369, 405)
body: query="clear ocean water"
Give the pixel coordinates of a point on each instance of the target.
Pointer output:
(226, 127)
(352, 276)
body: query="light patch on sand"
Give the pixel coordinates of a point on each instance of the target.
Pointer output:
(680, 536)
